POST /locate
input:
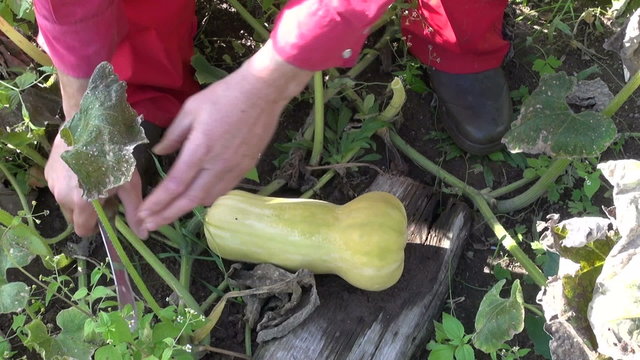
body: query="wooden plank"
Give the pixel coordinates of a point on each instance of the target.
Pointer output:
(352, 324)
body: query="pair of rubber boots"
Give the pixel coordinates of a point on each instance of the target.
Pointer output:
(478, 110)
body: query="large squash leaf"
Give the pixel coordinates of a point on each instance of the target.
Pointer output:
(614, 312)
(68, 344)
(583, 244)
(103, 134)
(548, 125)
(499, 319)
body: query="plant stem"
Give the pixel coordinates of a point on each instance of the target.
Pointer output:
(328, 175)
(64, 299)
(559, 165)
(25, 45)
(556, 168)
(6, 219)
(186, 265)
(157, 265)
(476, 197)
(397, 101)
(81, 264)
(318, 118)
(102, 217)
(629, 134)
(534, 309)
(65, 234)
(272, 187)
(31, 154)
(21, 196)
(250, 19)
(509, 188)
(224, 285)
(622, 95)
(247, 340)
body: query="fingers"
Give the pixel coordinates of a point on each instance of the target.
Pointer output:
(174, 135)
(130, 195)
(84, 217)
(199, 193)
(181, 175)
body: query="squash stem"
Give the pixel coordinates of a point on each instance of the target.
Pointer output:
(25, 45)
(272, 187)
(557, 168)
(622, 96)
(318, 119)
(479, 201)
(186, 266)
(397, 101)
(102, 217)
(252, 21)
(21, 196)
(493, 194)
(156, 264)
(65, 234)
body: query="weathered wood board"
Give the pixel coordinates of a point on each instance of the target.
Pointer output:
(352, 324)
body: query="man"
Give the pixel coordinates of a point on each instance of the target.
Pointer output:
(222, 129)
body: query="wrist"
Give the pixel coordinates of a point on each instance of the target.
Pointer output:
(269, 69)
(72, 89)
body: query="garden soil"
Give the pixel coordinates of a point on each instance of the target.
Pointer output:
(421, 118)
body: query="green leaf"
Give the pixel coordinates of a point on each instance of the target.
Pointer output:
(367, 104)
(440, 351)
(548, 125)
(562, 26)
(253, 175)
(13, 297)
(592, 184)
(465, 352)
(453, 328)
(69, 343)
(81, 293)
(108, 352)
(100, 292)
(25, 80)
(5, 348)
(501, 273)
(103, 134)
(499, 319)
(205, 72)
(535, 329)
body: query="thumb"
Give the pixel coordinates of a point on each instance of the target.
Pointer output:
(130, 195)
(175, 134)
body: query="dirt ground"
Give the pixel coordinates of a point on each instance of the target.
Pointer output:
(472, 278)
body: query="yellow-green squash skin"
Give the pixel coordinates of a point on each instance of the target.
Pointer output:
(362, 241)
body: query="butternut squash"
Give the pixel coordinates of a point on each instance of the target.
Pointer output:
(362, 241)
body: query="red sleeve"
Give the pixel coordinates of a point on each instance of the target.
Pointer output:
(321, 34)
(78, 35)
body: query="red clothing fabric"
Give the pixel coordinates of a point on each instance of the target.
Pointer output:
(457, 36)
(150, 41)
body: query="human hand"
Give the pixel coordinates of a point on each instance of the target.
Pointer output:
(63, 182)
(222, 131)
(64, 186)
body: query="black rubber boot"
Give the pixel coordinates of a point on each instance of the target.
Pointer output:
(478, 109)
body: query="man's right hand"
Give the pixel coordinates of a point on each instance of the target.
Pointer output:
(63, 182)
